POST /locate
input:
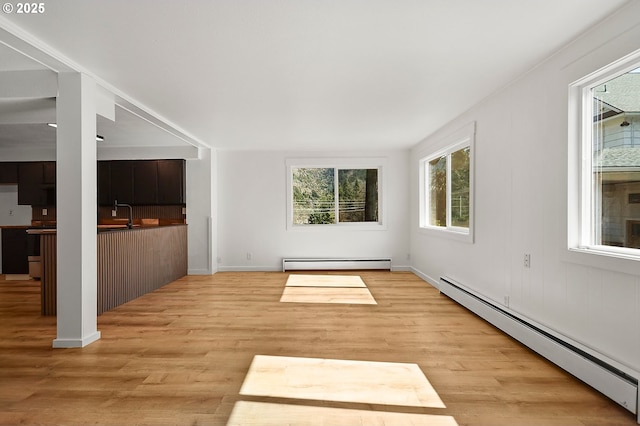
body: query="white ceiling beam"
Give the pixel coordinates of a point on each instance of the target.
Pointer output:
(24, 43)
(28, 154)
(28, 84)
(28, 111)
(21, 41)
(186, 152)
(105, 103)
(43, 110)
(171, 129)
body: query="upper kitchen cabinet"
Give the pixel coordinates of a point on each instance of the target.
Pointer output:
(121, 179)
(145, 183)
(171, 182)
(104, 183)
(141, 182)
(49, 172)
(8, 173)
(37, 183)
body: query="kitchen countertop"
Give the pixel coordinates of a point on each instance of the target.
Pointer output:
(40, 231)
(102, 228)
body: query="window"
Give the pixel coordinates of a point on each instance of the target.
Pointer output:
(446, 185)
(609, 160)
(348, 193)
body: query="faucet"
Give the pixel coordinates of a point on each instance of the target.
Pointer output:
(115, 208)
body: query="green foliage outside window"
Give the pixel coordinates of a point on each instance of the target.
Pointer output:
(438, 188)
(314, 195)
(459, 164)
(460, 188)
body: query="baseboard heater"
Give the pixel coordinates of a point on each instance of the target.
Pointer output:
(321, 264)
(612, 382)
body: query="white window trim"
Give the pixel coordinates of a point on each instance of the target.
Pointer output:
(461, 138)
(580, 232)
(378, 163)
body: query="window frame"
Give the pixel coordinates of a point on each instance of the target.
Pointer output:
(581, 224)
(460, 139)
(340, 163)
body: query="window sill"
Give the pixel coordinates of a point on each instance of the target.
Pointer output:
(605, 257)
(448, 233)
(374, 226)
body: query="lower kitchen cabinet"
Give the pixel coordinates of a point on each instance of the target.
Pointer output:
(15, 250)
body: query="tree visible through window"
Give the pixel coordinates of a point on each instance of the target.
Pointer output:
(449, 188)
(460, 182)
(438, 191)
(331, 195)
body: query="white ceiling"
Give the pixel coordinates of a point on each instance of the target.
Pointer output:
(305, 74)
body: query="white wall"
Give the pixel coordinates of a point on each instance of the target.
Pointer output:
(521, 180)
(252, 214)
(10, 212)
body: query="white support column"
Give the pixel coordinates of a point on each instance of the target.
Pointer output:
(76, 211)
(201, 213)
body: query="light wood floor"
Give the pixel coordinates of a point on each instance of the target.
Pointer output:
(180, 356)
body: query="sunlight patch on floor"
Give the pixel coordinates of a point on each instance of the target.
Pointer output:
(296, 280)
(327, 289)
(360, 296)
(268, 414)
(340, 380)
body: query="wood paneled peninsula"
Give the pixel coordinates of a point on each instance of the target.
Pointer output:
(131, 262)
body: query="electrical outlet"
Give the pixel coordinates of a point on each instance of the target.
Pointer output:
(527, 260)
(249, 256)
(45, 212)
(114, 213)
(10, 212)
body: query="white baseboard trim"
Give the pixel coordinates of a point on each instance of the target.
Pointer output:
(401, 268)
(429, 280)
(329, 264)
(595, 369)
(200, 272)
(276, 269)
(250, 269)
(76, 343)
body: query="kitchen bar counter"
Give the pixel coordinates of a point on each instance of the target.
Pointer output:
(100, 228)
(131, 263)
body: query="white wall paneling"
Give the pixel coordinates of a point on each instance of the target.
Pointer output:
(521, 177)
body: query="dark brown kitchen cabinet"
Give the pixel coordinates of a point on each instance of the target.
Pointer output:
(49, 172)
(8, 173)
(121, 179)
(37, 183)
(49, 182)
(15, 251)
(30, 177)
(171, 182)
(141, 182)
(145, 182)
(104, 183)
